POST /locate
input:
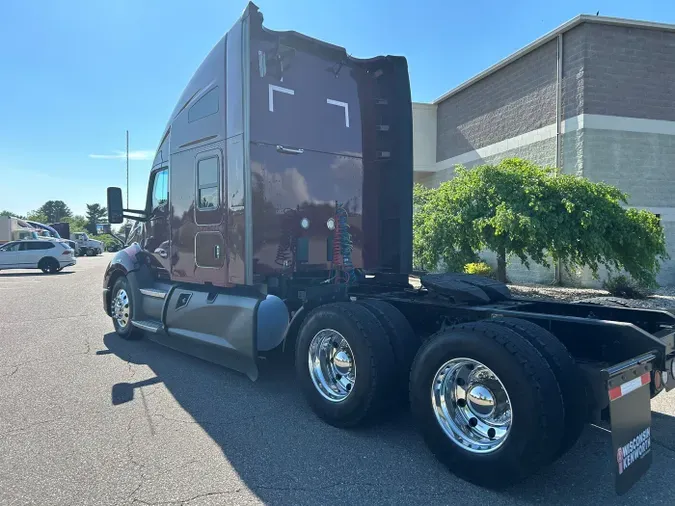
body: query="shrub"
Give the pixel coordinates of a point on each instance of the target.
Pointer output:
(517, 209)
(623, 286)
(107, 240)
(479, 269)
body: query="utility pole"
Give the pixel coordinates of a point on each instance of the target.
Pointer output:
(127, 169)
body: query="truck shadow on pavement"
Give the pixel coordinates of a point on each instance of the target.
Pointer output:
(286, 455)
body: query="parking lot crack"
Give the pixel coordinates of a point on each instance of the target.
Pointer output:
(186, 422)
(15, 369)
(132, 371)
(184, 502)
(130, 455)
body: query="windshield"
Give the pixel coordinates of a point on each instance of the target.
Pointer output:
(27, 234)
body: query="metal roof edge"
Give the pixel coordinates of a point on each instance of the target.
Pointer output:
(568, 25)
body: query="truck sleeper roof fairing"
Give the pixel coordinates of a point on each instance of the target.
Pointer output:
(302, 128)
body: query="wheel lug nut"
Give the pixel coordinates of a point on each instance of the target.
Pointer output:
(348, 387)
(491, 433)
(461, 402)
(338, 377)
(473, 422)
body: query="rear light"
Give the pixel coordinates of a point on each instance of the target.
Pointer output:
(67, 252)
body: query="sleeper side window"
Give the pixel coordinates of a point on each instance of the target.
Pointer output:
(160, 189)
(208, 183)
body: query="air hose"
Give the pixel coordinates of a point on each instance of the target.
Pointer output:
(285, 248)
(343, 268)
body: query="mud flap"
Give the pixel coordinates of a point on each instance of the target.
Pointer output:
(631, 419)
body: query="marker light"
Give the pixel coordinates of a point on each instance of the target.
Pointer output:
(304, 223)
(330, 224)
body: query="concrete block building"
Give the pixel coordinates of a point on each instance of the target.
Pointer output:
(596, 97)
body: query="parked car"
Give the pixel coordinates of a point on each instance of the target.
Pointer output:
(49, 232)
(48, 256)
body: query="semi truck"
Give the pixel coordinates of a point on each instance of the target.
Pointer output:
(278, 223)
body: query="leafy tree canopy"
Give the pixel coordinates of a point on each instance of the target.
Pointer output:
(11, 214)
(55, 211)
(518, 208)
(95, 214)
(37, 216)
(78, 223)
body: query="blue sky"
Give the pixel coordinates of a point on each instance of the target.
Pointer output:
(76, 74)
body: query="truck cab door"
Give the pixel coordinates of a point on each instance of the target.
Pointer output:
(157, 238)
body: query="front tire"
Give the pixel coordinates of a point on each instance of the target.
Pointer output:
(121, 309)
(487, 403)
(344, 364)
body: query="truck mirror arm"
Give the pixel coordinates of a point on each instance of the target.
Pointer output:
(135, 214)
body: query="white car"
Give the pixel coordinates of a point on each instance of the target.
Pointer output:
(48, 256)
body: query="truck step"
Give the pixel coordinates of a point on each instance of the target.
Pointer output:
(148, 325)
(154, 292)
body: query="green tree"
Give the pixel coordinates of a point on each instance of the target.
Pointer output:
(78, 223)
(517, 208)
(95, 213)
(37, 216)
(11, 214)
(55, 211)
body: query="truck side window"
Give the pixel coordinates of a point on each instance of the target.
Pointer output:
(208, 183)
(205, 106)
(160, 189)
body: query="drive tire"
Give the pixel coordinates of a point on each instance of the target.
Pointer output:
(48, 265)
(402, 339)
(567, 374)
(372, 356)
(127, 331)
(536, 403)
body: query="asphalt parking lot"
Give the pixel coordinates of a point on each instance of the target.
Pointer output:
(86, 418)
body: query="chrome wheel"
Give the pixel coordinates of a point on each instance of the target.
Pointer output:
(471, 405)
(331, 365)
(120, 308)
